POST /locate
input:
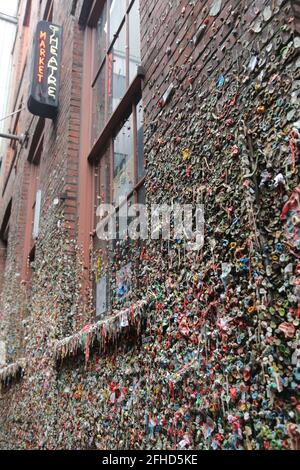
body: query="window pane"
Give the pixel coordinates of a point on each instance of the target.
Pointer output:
(123, 256)
(116, 12)
(117, 72)
(123, 162)
(98, 106)
(123, 223)
(142, 195)
(101, 38)
(102, 175)
(140, 140)
(101, 246)
(134, 40)
(104, 195)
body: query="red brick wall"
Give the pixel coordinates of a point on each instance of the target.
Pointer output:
(58, 165)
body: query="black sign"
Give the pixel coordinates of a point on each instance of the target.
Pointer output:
(45, 80)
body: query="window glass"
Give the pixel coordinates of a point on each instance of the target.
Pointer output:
(123, 182)
(122, 257)
(142, 196)
(98, 105)
(117, 53)
(102, 174)
(117, 71)
(117, 12)
(103, 178)
(101, 40)
(101, 246)
(123, 222)
(134, 41)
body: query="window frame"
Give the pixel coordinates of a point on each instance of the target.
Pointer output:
(102, 149)
(109, 47)
(133, 194)
(98, 150)
(127, 106)
(109, 154)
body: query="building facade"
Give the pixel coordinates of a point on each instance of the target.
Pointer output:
(143, 344)
(8, 23)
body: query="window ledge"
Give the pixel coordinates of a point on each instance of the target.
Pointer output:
(133, 95)
(11, 371)
(103, 332)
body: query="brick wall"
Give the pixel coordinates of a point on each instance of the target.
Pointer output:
(59, 162)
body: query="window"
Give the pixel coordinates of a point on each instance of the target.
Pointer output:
(134, 41)
(123, 158)
(119, 181)
(34, 198)
(119, 160)
(116, 58)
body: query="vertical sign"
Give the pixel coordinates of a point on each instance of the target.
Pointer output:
(45, 80)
